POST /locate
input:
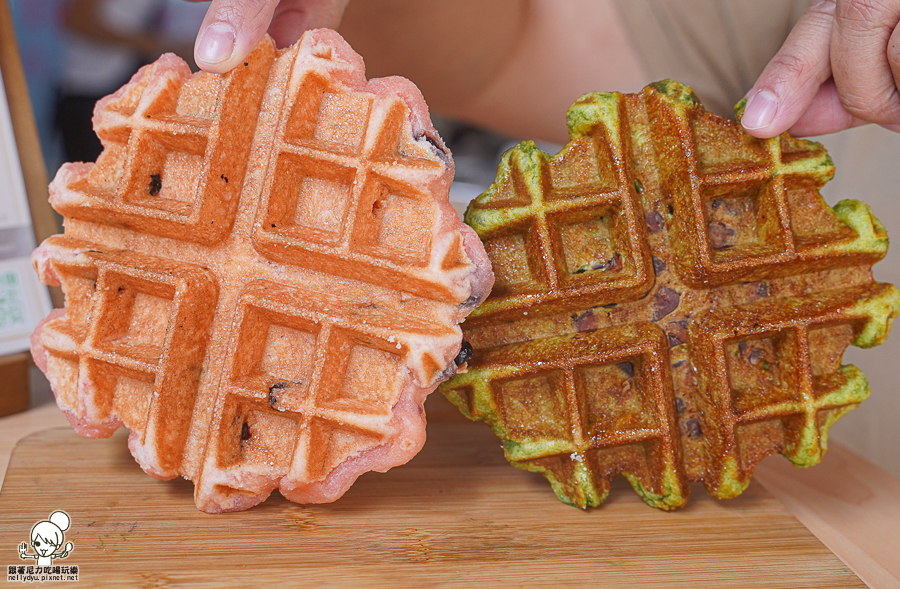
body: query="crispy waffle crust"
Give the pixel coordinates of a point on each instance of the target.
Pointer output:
(263, 275)
(672, 301)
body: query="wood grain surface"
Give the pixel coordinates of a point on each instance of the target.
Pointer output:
(848, 503)
(457, 515)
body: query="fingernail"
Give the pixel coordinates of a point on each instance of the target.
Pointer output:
(760, 110)
(216, 44)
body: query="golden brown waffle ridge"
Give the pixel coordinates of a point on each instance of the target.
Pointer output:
(263, 275)
(672, 301)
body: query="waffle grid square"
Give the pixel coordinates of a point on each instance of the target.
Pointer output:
(146, 136)
(559, 207)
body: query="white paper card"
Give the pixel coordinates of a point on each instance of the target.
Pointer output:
(23, 300)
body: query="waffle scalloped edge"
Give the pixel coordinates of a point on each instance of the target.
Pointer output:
(672, 301)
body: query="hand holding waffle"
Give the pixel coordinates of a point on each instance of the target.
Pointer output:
(232, 28)
(839, 68)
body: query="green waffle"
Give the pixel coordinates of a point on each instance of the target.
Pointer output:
(672, 301)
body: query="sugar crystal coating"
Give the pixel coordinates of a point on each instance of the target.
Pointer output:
(263, 275)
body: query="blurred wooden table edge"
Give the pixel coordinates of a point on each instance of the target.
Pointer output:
(850, 504)
(20, 425)
(847, 502)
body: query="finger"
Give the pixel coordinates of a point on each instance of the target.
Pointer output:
(230, 31)
(293, 17)
(791, 79)
(893, 54)
(825, 114)
(859, 59)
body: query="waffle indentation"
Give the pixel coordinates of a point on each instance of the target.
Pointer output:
(331, 443)
(343, 118)
(824, 343)
(176, 151)
(592, 246)
(130, 331)
(584, 165)
(317, 365)
(193, 101)
(762, 216)
(393, 223)
(812, 222)
(263, 439)
(770, 375)
(515, 262)
(321, 203)
(534, 406)
(288, 353)
(722, 147)
(328, 118)
(310, 199)
(275, 350)
(575, 215)
(742, 220)
(576, 417)
(615, 399)
(340, 201)
(762, 371)
(131, 399)
(134, 316)
(367, 382)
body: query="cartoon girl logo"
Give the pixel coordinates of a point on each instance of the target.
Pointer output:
(47, 538)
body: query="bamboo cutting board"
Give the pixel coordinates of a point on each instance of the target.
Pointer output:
(457, 515)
